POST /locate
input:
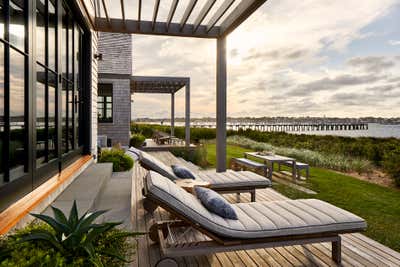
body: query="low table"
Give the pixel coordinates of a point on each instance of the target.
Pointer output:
(190, 184)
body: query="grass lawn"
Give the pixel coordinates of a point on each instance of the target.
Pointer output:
(379, 206)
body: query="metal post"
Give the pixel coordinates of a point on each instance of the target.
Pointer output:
(221, 105)
(187, 114)
(172, 113)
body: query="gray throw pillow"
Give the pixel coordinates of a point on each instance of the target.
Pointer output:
(183, 172)
(215, 203)
(133, 155)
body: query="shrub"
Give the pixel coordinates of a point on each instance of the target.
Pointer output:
(62, 241)
(197, 156)
(317, 159)
(117, 157)
(145, 129)
(136, 140)
(392, 165)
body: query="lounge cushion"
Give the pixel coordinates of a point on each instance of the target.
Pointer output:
(215, 203)
(233, 179)
(182, 172)
(133, 155)
(156, 165)
(257, 219)
(137, 152)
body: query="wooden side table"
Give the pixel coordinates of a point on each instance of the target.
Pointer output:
(190, 184)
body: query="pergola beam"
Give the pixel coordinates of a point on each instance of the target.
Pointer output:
(218, 15)
(155, 12)
(203, 13)
(172, 12)
(160, 28)
(188, 11)
(239, 15)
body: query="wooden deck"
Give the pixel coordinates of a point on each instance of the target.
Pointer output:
(357, 249)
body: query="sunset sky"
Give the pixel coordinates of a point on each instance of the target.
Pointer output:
(291, 58)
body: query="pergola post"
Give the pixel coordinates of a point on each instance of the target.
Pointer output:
(172, 113)
(187, 114)
(221, 105)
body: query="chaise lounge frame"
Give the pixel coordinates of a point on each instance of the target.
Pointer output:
(160, 230)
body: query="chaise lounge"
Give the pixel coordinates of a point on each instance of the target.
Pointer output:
(259, 224)
(223, 183)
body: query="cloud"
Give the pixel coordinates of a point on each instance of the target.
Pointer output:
(335, 83)
(394, 42)
(288, 58)
(371, 63)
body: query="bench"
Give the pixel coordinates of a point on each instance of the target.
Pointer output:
(299, 166)
(247, 164)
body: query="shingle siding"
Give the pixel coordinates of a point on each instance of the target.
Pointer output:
(118, 130)
(116, 50)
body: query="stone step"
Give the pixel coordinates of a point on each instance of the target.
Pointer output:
(85, 189)
(116, 198)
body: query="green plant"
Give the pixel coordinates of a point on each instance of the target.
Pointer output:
(197, 156)
(73, 241)
(120, 161)
(392, 165)
(137, 140)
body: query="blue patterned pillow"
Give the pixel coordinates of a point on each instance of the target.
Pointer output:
(182, 172)
(215, 203)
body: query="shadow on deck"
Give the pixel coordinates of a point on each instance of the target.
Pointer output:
(357, 249)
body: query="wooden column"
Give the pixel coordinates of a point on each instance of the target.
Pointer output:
(221, 104)
(172, 113)
(187, 114)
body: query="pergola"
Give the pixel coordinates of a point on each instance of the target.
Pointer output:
(215, 20)
(166, 85)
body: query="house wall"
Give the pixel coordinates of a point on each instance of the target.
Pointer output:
(116, 50)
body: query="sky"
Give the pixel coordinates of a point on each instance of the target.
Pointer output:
(290, 58)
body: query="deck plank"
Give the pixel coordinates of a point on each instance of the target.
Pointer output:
(357, 249)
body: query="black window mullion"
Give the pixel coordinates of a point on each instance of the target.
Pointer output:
(6, 136)
(66, 82)
(73, 85)
(46, 96)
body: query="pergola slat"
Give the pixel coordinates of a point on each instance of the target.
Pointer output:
(188, 12)
(203, 13)
(155, 12)
(123, 10)
(240, 14)
(105, 10)
(172, 12)
(160, 28)
(220, 12)
(139, 13)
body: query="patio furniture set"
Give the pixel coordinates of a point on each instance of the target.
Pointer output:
(267, 167)
(258, 224)
(161, 138)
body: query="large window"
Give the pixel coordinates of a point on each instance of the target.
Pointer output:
(41, 92)
(105, 103)
(13, 96)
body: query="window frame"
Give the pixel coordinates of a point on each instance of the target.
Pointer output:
(105, 90)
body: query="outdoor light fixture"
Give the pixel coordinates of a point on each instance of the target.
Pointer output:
(98, 56)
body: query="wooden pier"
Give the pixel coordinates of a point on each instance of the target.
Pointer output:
(290, 127)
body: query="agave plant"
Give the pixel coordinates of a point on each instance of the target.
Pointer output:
(76, 235)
